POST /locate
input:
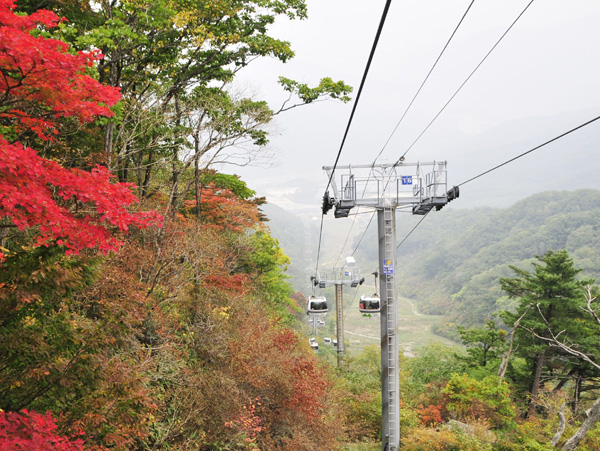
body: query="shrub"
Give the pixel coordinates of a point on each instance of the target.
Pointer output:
(33, 431)
(485, 399)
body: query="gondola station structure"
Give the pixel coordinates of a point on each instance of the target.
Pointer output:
(422, 187)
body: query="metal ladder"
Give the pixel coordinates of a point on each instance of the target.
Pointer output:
(392, 341)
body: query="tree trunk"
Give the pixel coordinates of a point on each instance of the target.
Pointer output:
(148, 173)
(563, 381)
(577, 393)
(108, 143)
(506, 355)
(561, 425)
(535, 386)
(197, 177)
(593, 415)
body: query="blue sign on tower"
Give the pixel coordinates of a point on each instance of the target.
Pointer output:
(388, 266)
(406, 179)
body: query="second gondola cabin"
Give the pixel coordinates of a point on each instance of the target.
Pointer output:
(317, 304)
(369, 304)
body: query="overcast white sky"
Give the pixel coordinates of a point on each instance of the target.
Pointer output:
(542, 80)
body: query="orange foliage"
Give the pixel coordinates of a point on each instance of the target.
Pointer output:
(430, 415)
(221, 209)
(182, 351)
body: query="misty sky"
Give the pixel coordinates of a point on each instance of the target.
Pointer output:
(541, 80)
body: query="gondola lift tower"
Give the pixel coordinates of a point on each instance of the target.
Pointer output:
(385, 187)
(348, 274)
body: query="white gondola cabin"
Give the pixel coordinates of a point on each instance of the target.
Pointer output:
(369, 304)
(317, 304)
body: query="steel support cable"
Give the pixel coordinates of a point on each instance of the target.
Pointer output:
(562, 135)
(405, 238)
(364, 233)
(367, 228)
(406, 111)
(464, 82)
(362, 83)
(408, 108)
(480, 175)
(351, 303)
(347, 238)
(425, 80)
(450, 100)
(319, 247)
(413, 229)
(530, 150)
(487, 172)
(408, 234)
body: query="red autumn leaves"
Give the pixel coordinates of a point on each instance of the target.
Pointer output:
(40, 83)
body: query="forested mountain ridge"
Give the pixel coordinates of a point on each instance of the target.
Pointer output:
(456, 256)
(292, 235)
(451, 264)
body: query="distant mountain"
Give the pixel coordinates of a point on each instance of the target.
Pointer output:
(293, 236)
(452, 262)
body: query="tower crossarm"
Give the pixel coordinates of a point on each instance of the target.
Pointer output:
(422, 185)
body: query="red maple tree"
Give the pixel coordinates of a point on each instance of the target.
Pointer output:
(41, 81)
(33, 431)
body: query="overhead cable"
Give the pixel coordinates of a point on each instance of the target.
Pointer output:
(406, 111)
(425, 80)
(413, 229)
(347, 237)
(530, 150)
(364, 233)
(465, 82)
(319, 247)
(505, 163)
(351, 303)
(362, 83)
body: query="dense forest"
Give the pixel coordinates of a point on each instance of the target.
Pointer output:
(145, 303)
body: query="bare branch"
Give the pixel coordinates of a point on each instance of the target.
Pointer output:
(589, 308)
(561, 425)
(554, 341)
(506, 356)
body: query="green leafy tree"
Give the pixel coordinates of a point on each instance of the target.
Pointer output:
(551, 292)
(435, 364)
(362, 378)
(483, 344)
(581, 351)
(266, 262)
(485, 399)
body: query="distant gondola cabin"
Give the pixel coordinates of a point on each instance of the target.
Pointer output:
(317, 304)
(369, 304)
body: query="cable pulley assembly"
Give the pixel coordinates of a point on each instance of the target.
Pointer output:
(328, 202)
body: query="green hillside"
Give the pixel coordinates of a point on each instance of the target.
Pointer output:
(290, 232)
(452, 262)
